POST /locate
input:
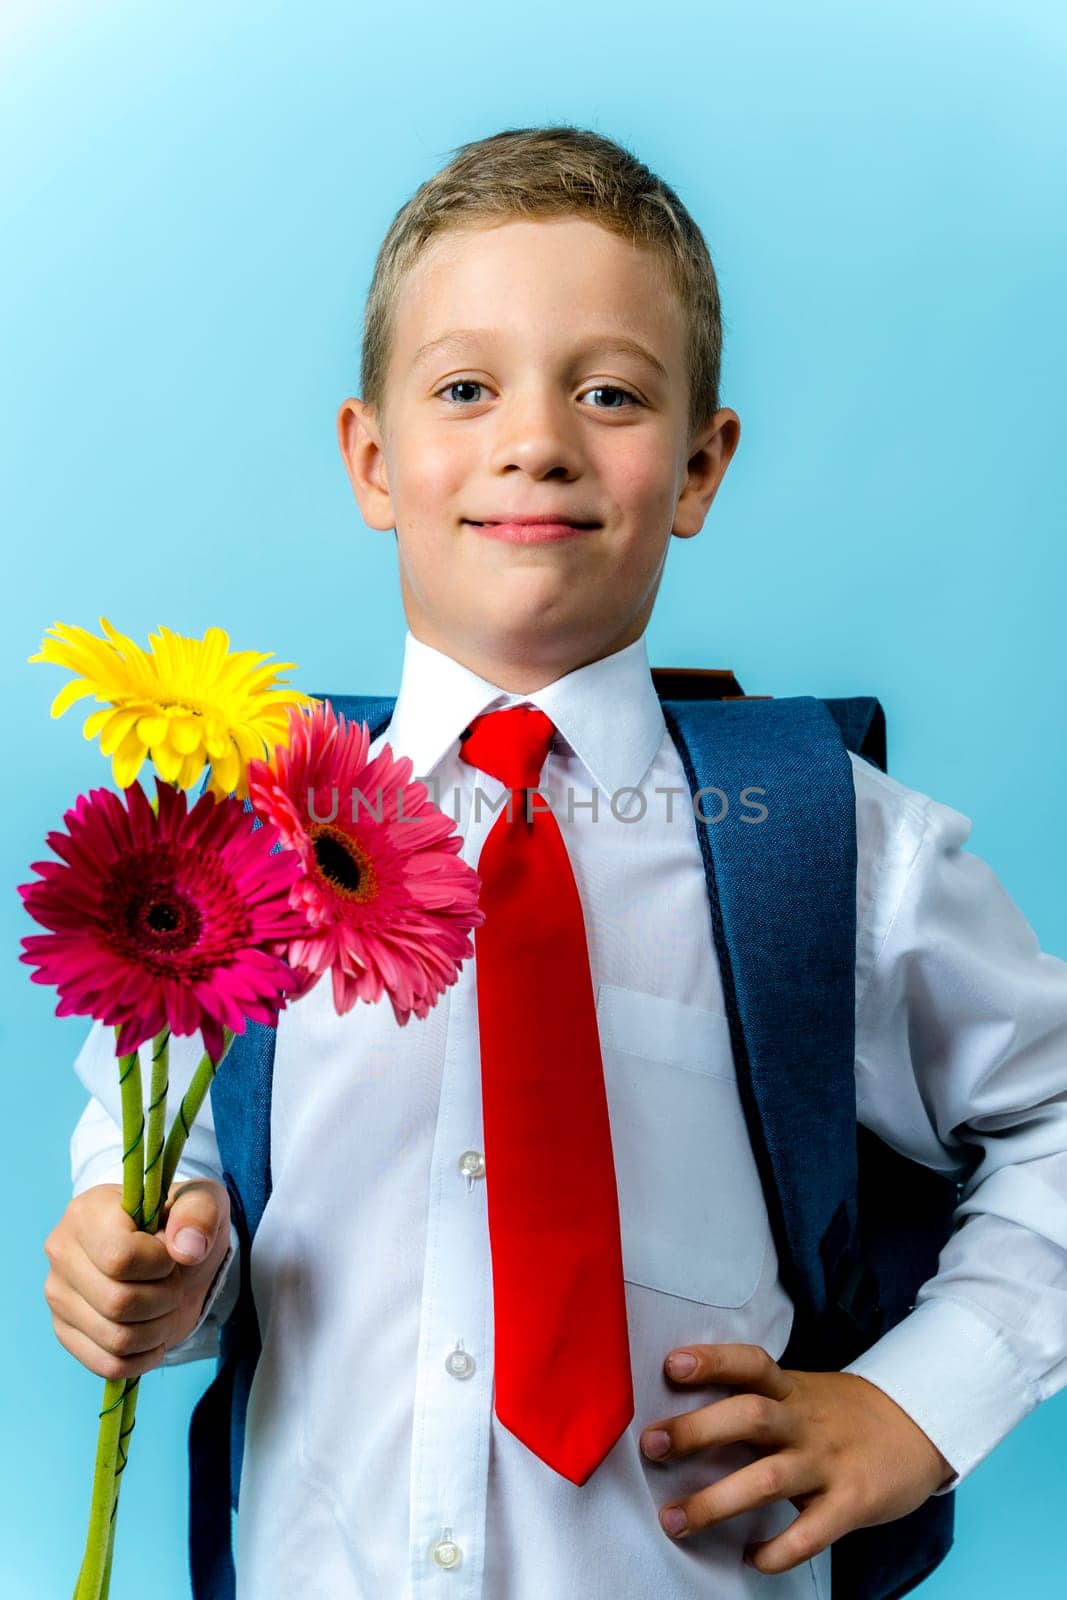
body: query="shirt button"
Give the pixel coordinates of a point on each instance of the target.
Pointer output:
(445, 1552)
(459, 1363)
(472, 1164)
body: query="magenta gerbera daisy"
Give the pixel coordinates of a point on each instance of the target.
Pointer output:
(390, 907)
(164, 920)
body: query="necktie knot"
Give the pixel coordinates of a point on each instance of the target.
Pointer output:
(510, 745)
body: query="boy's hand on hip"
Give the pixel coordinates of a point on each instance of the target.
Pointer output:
(844, 1453)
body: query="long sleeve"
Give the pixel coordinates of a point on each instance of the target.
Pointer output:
(96, 1157)
(962, 1041)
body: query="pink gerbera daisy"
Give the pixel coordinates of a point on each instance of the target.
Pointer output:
(389, 905)
(164, 920)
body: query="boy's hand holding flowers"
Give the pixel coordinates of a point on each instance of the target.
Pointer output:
(121, 1297)
(840, 1449)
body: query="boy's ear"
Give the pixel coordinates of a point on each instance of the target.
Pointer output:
(359, 438)
(711, 453)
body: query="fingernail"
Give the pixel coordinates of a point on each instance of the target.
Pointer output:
(191, 1243)
(655, 1442)
(673, 1519)
(681, 1366)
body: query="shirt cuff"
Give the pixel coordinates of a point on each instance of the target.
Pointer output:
(955, 1376)
(202, 1342)
(99, 1168)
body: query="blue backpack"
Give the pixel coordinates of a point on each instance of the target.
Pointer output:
(858, 1227)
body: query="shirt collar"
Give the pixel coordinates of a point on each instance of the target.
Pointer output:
(608, 711)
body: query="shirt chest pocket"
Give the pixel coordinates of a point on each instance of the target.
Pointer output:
(691, 1209)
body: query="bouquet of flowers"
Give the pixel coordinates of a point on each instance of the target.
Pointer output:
(168, 918)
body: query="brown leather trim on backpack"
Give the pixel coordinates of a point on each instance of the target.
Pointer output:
(699, 683)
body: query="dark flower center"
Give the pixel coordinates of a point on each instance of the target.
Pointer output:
(162, 919)
(342, 861)
(183, 706)
(172, 915)
(335, 861)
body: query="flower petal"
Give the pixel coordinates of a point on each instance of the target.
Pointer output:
(128, 759)
(168, 761)
(152, 728)
(186, 734)
(117, 727)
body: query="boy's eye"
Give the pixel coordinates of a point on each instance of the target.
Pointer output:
(611, 388)
(459, 383)
(600, 388)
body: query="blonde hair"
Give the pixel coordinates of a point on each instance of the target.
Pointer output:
(546, 172)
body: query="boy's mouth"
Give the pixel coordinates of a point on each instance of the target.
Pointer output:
(531, 530)
(549, 518)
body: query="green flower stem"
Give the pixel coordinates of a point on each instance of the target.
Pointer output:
(129, 1406)
(157, 1121)
(157, 1113)
(95, 1569)
(142, 1201)
(192, 1100)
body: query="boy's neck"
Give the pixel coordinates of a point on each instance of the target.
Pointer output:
(516, 674)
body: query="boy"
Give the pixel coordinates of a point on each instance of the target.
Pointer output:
(542, 272)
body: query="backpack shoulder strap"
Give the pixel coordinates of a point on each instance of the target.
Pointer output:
(781, 891)
(861, 721)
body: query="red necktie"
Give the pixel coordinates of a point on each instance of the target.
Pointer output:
(562, 1355)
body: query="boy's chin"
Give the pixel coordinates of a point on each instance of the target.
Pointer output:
(518, 620)
(549, 644)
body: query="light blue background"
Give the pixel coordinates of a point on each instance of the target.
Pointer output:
(192, 197)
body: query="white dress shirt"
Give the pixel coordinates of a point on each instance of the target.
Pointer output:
(374, 1463)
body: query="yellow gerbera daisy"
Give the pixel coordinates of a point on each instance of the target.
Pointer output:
(183, 703)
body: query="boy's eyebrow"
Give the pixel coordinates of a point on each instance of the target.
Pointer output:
(619, 343)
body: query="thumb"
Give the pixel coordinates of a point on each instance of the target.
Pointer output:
(193, 1220)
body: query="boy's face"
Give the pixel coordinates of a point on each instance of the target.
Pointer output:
(534, 412)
